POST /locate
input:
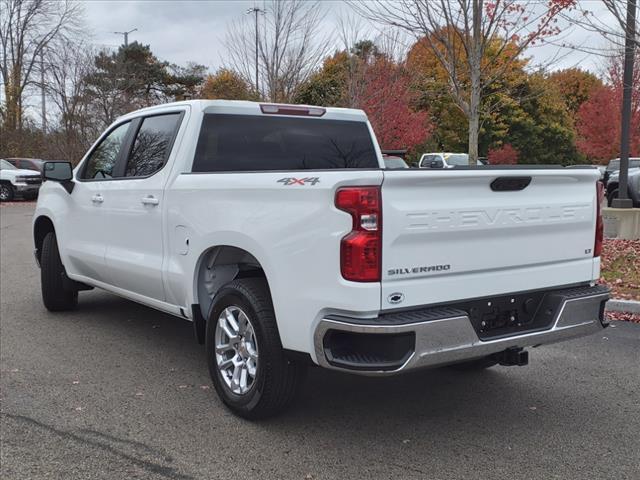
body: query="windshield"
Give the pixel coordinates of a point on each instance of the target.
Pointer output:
(4, 165)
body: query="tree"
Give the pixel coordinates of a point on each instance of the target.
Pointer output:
(575, 85)
(504, 155)
(600, 118)
(612, 32)
(227, 84)
(184, 82)
(451, 127)
(327, 86)
(132, 77)
(459, 32)
(289, 47)
(387, 99)
(538, 124)
(27, 29)
(68, 66)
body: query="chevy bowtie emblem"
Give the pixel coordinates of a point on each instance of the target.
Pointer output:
(395, 298)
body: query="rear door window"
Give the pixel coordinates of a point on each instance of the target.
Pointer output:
(255, 143)
(152, 145)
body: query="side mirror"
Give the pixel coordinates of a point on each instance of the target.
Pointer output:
(61, 172)
(436, 164)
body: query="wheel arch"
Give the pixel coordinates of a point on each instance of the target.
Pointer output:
(216, 266)
(41, 227)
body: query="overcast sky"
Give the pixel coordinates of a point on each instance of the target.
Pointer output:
(181, 31)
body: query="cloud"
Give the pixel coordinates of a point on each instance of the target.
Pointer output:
(177, 31)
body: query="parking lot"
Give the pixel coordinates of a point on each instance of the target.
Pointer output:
(117, 390)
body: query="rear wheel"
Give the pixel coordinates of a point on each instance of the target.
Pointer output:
(611, 196)
(6, 192)
(247, 364)
(55, 295)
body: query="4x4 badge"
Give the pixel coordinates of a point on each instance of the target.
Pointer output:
(299, 181)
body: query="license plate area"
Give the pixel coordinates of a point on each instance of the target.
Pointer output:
(510, 314)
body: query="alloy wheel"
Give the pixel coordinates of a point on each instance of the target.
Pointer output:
(236, 350)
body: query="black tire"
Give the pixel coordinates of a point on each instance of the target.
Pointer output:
(277, 377)
(611, 196)
(475, 365)
(55, 296)
(6, 192)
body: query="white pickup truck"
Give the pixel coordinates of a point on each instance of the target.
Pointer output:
(277, 230)
(17, 182)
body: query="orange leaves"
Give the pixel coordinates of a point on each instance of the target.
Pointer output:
(228, 85)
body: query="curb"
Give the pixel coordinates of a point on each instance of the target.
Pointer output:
(626, 306)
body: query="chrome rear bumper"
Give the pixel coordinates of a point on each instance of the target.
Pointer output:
(446, 335)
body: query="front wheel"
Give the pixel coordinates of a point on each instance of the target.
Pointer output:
(56, 296)
(611, 196)
(246, 361)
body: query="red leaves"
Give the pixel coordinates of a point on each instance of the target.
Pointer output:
(624, 316)
(600, 117)
(386, 99)
(598, 125)
(505, 155)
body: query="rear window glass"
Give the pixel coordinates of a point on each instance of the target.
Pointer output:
(254, 142)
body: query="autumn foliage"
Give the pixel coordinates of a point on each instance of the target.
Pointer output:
(228, 85)
(387, 99)
(505, 155)
(600, 117)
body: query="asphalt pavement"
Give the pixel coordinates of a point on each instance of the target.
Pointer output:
(115, 390)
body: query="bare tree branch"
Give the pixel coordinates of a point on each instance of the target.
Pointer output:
(289, 47)
(27, 28)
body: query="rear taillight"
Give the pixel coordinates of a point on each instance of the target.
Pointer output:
(361, 249)
(597, 248)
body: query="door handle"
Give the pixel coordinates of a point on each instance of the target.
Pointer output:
(97, 198)
(150, 200)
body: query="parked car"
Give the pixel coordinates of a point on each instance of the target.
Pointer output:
(445, 160)
(16, 182)
(391, 161)
(278, 232)
(29, 163)
(633, 187)
(614, 166)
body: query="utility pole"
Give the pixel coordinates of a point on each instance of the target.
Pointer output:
(256, 11)
(126, 36)
(42, 92)
(623, 200)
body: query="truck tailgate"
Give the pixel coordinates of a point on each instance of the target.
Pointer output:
(448, 235)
